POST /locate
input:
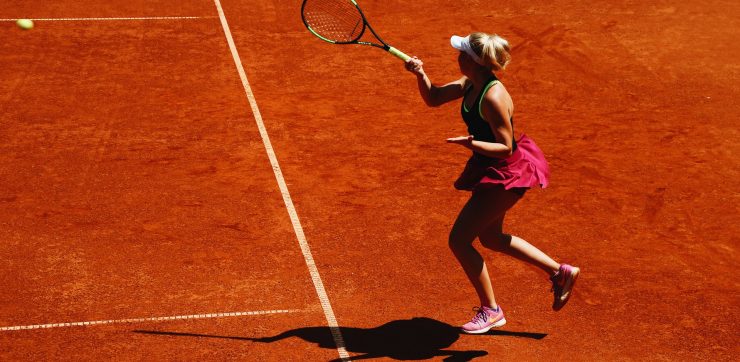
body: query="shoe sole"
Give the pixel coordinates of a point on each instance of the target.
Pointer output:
(486, 329)
(568, 287)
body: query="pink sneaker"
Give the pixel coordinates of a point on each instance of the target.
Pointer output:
(562, 284)
(485, 319)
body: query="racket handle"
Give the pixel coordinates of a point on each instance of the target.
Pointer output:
(399, 54)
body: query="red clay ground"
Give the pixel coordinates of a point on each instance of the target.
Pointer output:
(135, 183)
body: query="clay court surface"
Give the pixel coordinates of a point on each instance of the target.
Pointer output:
(135, 184)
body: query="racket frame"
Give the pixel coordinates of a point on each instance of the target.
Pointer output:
(365, 25)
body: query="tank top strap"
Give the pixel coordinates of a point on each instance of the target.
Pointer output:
(492, 82)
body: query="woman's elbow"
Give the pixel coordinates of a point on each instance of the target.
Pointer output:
(432, 102)
(510, 151)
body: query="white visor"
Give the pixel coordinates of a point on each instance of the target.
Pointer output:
(463, 44)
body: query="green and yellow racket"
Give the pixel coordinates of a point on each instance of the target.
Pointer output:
(341, 22)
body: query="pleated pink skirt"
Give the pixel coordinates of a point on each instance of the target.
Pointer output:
(524, 169)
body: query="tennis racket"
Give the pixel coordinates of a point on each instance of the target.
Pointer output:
(341, 22)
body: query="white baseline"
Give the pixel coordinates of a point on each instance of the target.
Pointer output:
(119, 19)
(141, 320)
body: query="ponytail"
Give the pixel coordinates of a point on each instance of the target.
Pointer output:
(493, 50)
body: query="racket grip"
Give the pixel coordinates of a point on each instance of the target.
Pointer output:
(399, 54)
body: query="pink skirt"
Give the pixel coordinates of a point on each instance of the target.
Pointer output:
(524, 169)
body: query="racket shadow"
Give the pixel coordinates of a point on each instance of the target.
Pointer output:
(410, 339)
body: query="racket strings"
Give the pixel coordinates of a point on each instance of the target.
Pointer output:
(336, 20)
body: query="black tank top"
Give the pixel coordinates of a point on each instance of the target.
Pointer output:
(477, 126)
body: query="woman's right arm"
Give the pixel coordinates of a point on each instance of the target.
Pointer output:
(435, 95)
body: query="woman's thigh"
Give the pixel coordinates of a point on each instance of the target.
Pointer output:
(484, 208)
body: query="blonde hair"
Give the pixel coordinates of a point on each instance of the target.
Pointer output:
(492, 49)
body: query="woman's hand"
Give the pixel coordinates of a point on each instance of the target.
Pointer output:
(466, 141)
(415, 65)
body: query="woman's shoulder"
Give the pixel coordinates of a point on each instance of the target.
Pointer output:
(496, 91)
(497, 98)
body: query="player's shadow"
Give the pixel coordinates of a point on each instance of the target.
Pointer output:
(413, 339)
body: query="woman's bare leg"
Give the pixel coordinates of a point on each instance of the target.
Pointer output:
(494, 238)
(473, 219)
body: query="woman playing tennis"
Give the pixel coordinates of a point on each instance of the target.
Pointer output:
(499, 172)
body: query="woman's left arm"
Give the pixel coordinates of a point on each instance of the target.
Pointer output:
(495, 112)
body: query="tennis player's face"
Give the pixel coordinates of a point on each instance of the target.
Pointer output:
(466, 63)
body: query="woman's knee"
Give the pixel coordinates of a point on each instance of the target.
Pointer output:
(459, 239)
(498, 242)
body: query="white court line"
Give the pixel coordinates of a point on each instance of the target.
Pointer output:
(119, 19)
(141, 320)
(297, 228)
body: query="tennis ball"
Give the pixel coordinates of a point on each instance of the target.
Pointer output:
(25, 24)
